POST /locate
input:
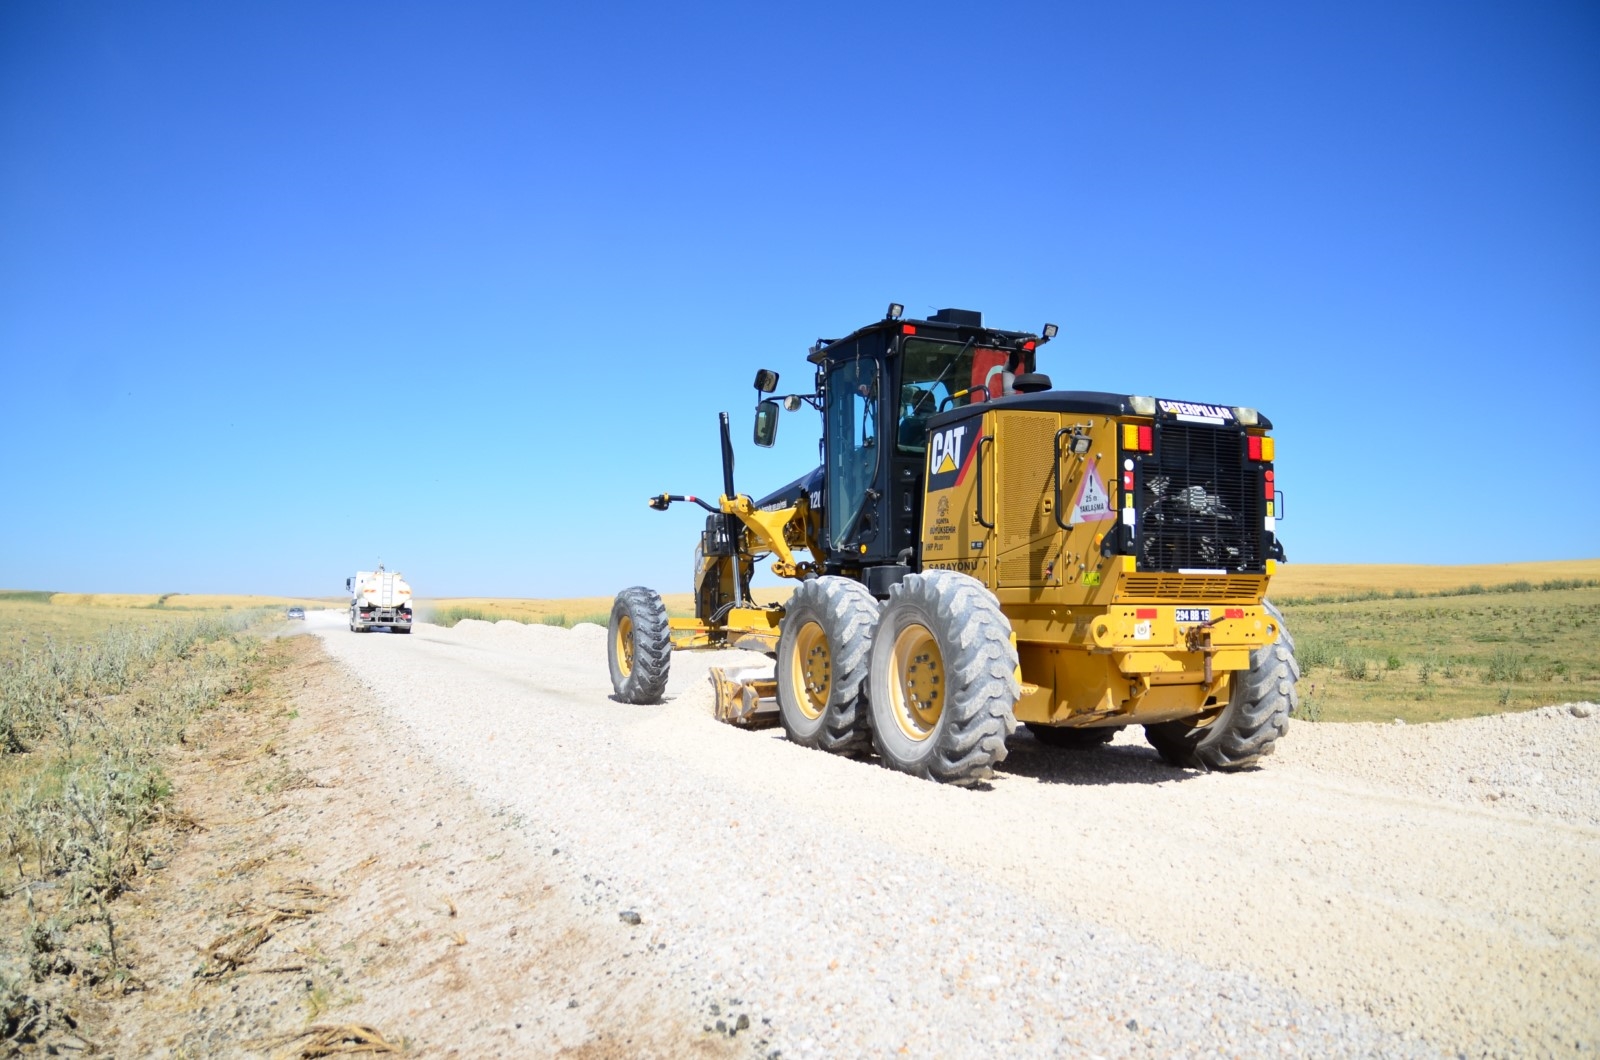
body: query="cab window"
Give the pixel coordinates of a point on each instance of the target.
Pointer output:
(930, 372)
(852, 442)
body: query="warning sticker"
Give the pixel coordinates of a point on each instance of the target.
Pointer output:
(1091, 505)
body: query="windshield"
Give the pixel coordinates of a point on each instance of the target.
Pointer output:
(930, 372)
(852, 442)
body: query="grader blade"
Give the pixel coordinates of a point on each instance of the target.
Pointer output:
(746, 696)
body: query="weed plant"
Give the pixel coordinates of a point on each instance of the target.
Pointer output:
(83, 728)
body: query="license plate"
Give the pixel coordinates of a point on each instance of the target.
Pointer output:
(1194, 614)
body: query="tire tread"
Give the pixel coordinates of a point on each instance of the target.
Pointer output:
(1256, 717)
(652, 646)
(978, 716)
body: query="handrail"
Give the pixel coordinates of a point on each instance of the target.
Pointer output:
(1055, 446)
(950, 399)
(978, 456)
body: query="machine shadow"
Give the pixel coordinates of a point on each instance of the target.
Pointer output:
(1099, 766)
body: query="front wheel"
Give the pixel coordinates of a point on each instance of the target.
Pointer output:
(639, 646)
(943, 680)
(1257, 713)
(823, 652)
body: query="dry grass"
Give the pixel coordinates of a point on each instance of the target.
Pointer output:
(1334, 579)
(85, 721)
(180, 601)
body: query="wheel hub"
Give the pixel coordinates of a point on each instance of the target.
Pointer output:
(813, 671)
(625, 645)
(917, 683)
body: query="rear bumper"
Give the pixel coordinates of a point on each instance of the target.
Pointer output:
(384, 616)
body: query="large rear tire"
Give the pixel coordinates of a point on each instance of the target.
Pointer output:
(943, 680)
(1257, 713)
(824, 650)
(639, 646)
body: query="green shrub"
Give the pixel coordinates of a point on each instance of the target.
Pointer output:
(1313, 653)
(1506, 664)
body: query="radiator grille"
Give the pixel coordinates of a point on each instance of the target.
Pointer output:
(1200, 502)
(1182, 589)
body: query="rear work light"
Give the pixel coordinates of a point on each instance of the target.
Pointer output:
(1138, 439)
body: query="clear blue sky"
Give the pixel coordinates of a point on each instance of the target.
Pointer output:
(286, 287)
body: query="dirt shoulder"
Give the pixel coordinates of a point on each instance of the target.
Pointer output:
(335, 886)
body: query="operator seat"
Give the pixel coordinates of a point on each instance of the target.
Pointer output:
(912, 433)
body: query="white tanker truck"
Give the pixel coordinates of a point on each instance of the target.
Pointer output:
(379, 598)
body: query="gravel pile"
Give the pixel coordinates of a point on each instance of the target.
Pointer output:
(1541, 762)
(1370, 892)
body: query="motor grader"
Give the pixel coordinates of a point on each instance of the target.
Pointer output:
(979, 549)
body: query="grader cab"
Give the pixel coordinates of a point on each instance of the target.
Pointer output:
(979, 549)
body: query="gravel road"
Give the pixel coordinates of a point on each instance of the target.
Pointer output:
(1373, 890)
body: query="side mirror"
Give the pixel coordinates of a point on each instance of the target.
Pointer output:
(766, 381)
(347, 582)
(766, 423)
(792, 403)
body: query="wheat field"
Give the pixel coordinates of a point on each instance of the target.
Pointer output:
(1333, 579)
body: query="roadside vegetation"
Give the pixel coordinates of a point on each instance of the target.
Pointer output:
(1455, 653)
(90, 703)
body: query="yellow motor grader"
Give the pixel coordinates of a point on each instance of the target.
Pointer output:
(977, 550)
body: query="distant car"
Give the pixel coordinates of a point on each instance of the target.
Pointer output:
(297, 612)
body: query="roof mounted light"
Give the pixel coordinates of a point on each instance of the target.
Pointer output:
(1247, 417)
(895, 309)
(1049, 332)
(1141, 405)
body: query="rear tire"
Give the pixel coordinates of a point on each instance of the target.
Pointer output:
(1249, 726)
(639, 646)
(943, 680)
(824, 650)
(1080, 739)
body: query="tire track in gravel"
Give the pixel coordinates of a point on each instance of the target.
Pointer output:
(1364, 915)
